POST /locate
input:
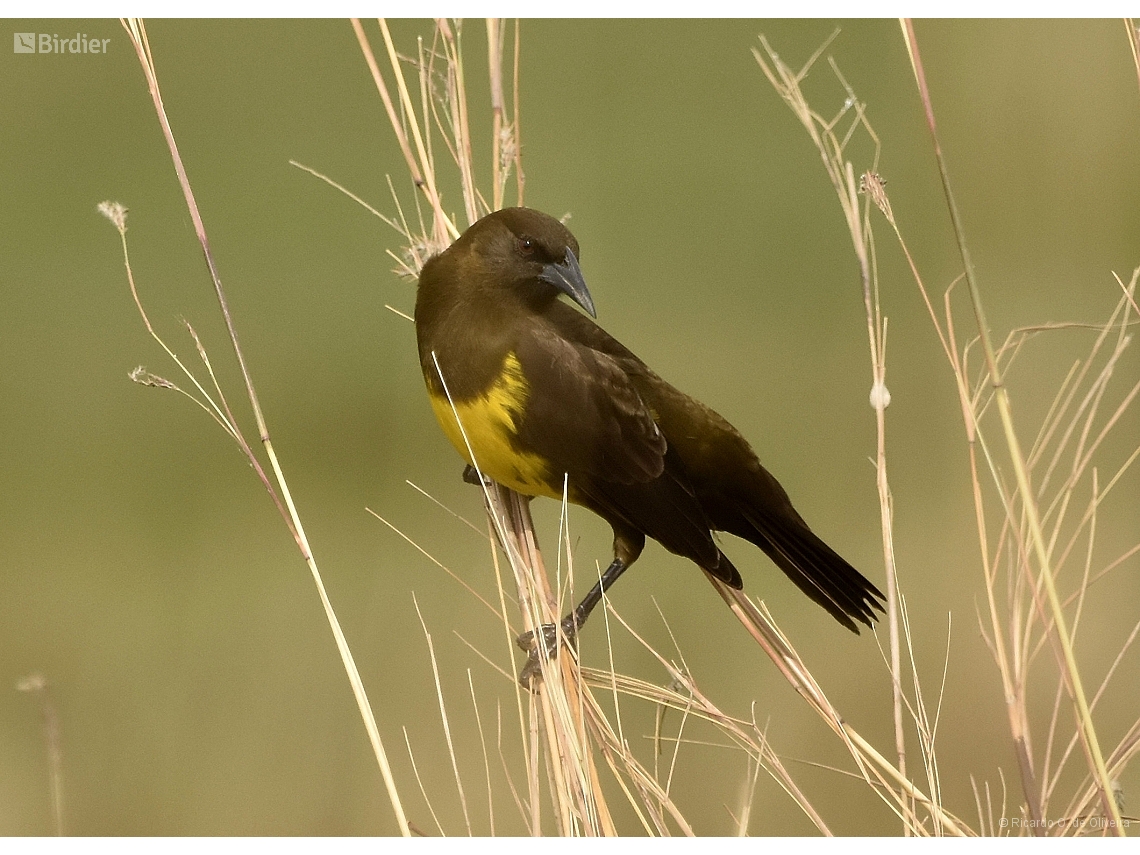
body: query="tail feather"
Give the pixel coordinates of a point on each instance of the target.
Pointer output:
(818, 570)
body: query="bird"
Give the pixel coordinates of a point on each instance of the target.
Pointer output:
(535, 395)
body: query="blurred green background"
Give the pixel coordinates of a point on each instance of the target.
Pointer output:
(145, 573)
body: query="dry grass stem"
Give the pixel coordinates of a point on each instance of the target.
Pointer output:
(833, 137)
(277, 488)
(1025, 612)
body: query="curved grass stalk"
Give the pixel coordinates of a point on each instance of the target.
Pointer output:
(282, 496)
(1017, 459)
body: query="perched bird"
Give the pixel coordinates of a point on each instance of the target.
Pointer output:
(543, 393)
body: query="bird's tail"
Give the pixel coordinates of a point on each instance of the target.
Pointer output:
(817, 569)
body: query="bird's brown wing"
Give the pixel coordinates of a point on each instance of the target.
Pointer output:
(736, 493)
(584, 416)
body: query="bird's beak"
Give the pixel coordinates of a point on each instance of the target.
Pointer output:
(567, 278)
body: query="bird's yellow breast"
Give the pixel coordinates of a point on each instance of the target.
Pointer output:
(490, 432)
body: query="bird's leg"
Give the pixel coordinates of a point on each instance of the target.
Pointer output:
(471, 476)
(568, 626)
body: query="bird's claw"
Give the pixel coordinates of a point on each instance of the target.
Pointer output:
(471, 476)
(547, 650)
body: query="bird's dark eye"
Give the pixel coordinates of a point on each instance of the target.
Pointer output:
(526, 245)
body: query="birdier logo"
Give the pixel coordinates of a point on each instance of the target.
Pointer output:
(52, 43)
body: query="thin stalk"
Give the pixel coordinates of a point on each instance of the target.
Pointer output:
(1133, 33)
(1028, 499)
(495, 63)
(875, 768)
(1012, 680)
(460, 125)
(423, 176)
(516, 121)
(841, 174)
(137, 33)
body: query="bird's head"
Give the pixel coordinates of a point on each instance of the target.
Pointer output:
(516, 251)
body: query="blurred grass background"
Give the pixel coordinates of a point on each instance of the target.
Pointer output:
(146, 575)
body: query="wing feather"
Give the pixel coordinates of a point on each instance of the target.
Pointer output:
(585, 417)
